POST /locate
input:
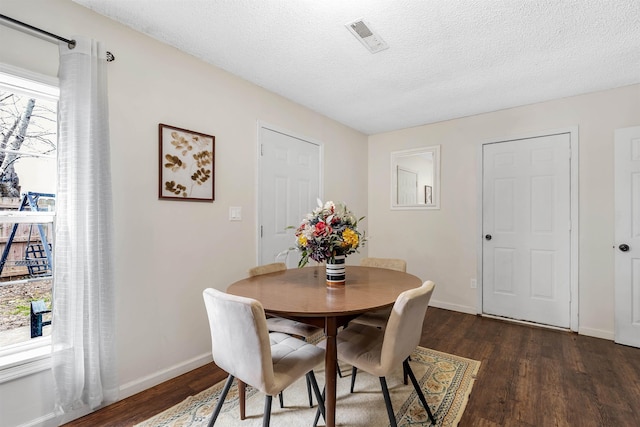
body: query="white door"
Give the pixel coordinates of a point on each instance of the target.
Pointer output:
(289, 185)
(627, 236)
(526, 212)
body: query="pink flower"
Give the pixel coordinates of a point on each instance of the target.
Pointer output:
(322, 229)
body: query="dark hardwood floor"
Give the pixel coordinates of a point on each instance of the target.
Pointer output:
(529, 377)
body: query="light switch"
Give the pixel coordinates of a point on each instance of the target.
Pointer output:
(235, 213)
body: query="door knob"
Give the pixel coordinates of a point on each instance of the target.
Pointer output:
(488, 237)
(624, 247)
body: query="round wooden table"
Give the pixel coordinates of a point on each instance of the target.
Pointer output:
(301, 294)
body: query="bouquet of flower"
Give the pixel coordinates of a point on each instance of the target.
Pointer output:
(330, 230)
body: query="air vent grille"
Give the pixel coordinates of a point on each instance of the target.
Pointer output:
(363, 32)
(362, 29)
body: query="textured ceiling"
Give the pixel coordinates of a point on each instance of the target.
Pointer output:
(446, 58)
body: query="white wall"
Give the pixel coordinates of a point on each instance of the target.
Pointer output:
(441, 245)
(168, 251)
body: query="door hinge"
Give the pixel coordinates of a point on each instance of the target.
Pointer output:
(261, 150)
(260, 231)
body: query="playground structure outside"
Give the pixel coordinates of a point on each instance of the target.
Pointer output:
(23, 279)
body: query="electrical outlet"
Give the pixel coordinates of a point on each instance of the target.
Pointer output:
(474, 283)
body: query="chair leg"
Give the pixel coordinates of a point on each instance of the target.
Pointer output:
(317, 418)
(319, 397)
(309, 392)
(419, 392)
(338, 370)
(405, 371)
(281, 397)
(223, 395)
(387, 402)
(354, 372)
(266, 417)
(242, 397)
(404, 374)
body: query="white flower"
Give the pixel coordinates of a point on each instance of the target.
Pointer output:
(308, 233)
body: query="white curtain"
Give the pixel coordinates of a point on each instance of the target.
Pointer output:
(83, 327)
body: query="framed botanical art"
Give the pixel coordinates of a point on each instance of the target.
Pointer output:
(186, 170)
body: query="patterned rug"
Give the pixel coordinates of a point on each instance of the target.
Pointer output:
(447, 381)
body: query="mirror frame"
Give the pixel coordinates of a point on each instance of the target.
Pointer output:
(395, 157)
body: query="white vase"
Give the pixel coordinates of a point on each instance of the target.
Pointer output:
(336, 271)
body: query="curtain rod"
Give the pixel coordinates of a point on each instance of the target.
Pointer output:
(70, 43)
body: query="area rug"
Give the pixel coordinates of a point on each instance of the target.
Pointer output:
(446, 379)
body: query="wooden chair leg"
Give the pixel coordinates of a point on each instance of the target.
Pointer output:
(419, 392)
(242, 399)
(387, 402)
(266, 417)
(223, 395)
(281, 398)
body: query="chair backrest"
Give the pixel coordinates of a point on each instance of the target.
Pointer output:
(388, 263)
(239, 337)
(404, 327)
(267, 268)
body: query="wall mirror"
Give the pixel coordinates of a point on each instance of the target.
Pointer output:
(415, 178)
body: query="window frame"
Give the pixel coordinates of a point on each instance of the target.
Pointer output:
(26, 358)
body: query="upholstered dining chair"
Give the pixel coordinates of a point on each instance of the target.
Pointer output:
(243, 347)
(378, 318)
(379, 351)
(267, 268)
(286, 326)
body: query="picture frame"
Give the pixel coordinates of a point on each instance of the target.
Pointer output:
(187, 164)
(428, 195)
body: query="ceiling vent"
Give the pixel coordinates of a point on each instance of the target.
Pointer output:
(363, 32)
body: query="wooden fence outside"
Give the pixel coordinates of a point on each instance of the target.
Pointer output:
(25, 234)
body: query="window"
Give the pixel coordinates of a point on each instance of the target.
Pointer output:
(28, 170)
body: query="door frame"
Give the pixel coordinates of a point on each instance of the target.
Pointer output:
(574, 215)
(264, 125)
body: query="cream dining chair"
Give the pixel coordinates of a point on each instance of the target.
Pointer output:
(378, 318)
(280, 324)
(380, 351)
(243, 347)
(287, 326)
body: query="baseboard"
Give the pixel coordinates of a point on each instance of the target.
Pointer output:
(597, 333)
(47, 420)
(141, 384)
(128, 389)
(453, 307)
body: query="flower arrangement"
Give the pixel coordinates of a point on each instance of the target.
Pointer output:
(330, 230)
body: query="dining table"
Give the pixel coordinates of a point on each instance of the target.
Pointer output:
(302, 294)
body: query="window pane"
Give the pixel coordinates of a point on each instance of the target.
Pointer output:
(28, 147)
(25, 278)
(28, 172)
